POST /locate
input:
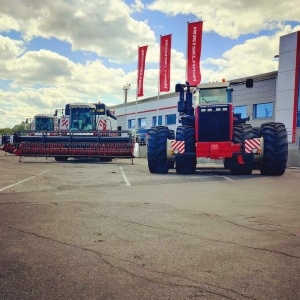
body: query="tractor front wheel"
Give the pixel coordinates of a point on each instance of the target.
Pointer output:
(157, 150)
(242, 132)
(186, 163)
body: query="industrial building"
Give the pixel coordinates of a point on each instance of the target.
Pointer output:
(275, 97)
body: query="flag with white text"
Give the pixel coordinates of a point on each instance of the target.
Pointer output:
(142, 51)
(165, 63)
(194, 45)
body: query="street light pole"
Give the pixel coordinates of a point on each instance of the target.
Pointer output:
(126, 87)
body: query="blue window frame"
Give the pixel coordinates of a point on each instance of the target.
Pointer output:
(171, 119)
(154, 121)
(142, 122)
(263, 110)
(131, 123)
(241, 110)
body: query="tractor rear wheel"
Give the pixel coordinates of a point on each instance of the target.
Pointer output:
(157, 150)
(171, 136)
(275, 149)
(256, 164)
(186, 163)
(242, 132)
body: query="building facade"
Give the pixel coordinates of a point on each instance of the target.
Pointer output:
(275, 96)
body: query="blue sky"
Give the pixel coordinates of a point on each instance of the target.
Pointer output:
(58, 52)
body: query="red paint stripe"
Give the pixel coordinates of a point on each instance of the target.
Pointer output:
(296, 90)
(146, 111)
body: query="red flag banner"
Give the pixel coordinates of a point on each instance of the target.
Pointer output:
(165, 63)
(194, 52)
(141, 69)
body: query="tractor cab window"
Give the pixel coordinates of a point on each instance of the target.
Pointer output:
(213, 95)
(44, 123)
(81, 118)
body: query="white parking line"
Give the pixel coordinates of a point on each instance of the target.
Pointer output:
(124, 176)
(9, 186)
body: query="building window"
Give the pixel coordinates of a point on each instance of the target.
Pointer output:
(263, 110)
(142, 122)
(170, 119)
(131, 123)
(241, 110)
(154, 120)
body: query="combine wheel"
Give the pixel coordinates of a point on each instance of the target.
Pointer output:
(61, 158)
(186, 163)
(275, 149)
(157, 150)
(241, 132)
(105, 159)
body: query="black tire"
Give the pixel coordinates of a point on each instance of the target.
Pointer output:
(241, 132)
(256, 164)
(171, 136)
(105, 159)
(275, 149)
(61, 158)
(226, 162)
(157, 150)
(186, 163)
(255, 131)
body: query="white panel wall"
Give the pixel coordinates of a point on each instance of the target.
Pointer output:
(285, 89)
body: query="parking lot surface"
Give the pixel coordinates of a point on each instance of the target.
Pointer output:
(85, 229)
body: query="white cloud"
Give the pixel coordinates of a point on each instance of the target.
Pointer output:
(104, 27)
(255, 56)
(9, 48)
(233, 18)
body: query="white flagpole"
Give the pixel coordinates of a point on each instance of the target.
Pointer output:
(137, 91)
(158, 88)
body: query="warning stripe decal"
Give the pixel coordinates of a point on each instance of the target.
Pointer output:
(179, 146)
(252, 144)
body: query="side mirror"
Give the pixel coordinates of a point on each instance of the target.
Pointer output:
(178, 87)
(249, 83)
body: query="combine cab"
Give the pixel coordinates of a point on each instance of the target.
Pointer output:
(85, 131)
(39, 123)
(212, 130)
(43, 123)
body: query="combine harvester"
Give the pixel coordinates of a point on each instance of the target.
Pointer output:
(85, 131)
(39, 123)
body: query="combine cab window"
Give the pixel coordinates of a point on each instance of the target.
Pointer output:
(217, 95)
(81, 118)
(44, 123)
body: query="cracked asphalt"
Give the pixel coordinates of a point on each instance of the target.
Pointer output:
(85, 229)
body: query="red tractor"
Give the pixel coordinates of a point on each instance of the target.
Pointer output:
(213, 130)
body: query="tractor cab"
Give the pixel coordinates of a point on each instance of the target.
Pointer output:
(214, 93)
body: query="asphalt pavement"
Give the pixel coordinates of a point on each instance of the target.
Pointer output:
(85, 229)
